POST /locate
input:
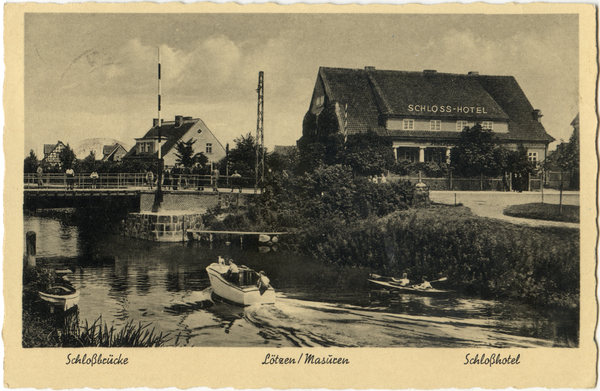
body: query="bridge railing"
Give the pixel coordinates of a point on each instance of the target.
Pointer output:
(134, 180)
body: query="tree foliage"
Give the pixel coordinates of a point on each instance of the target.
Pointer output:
(368, 153)
(518, 161)
(242, 157)
(67, 157)
(185, 154)
(478, 151)
(31, 163)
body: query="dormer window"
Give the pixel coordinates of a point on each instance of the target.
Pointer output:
(319, 101)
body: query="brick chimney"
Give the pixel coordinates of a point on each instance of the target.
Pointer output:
(537, 115)
(178, 120)
(154, 122)
(369, 68)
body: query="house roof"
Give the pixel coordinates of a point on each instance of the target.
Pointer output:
(284, 149)
(108, 149)
(372, 94)
(170, 134)
(48, 148)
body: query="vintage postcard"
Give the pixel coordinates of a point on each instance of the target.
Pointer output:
(302, 196)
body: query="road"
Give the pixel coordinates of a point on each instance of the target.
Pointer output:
(491, 204)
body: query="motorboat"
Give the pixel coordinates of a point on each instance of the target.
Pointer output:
(244, 287)
(61, 295)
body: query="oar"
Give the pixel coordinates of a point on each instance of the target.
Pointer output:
(439, 280)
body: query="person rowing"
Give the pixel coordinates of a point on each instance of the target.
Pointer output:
(425, 285)
(404, 281)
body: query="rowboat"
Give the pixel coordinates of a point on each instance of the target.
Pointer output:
(247, 289)
(63, 295)
(415, 289)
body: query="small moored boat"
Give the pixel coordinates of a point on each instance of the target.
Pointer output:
(244, 286)
(63, 295)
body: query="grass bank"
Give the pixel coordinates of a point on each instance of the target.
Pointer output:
(539, 211)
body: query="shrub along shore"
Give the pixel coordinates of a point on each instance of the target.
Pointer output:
(348, 221)
(479, 256)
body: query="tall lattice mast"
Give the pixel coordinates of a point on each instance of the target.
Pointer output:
(260, 139)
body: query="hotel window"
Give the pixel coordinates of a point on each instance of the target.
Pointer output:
(149, 147)
(532, 156)
(487, 125)
(408, 124)
(461, 125)
(208, 148)
(435, 124)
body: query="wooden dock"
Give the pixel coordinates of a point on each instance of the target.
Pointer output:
(270, 235)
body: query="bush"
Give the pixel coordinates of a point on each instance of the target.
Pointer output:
(479, 256)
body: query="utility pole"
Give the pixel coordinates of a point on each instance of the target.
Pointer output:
(260, 140)
(158, 196)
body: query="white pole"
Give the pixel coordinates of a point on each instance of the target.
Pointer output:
(159, 140)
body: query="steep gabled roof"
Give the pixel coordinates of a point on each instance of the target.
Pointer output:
(373, 96)
(170, 134)
(108, 149)
(49, 148)
(352, 87)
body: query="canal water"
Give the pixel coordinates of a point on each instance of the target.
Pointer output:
(165, 284)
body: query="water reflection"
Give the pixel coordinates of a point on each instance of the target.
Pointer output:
(124, 279)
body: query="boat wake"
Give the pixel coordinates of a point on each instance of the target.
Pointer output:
(305, 323)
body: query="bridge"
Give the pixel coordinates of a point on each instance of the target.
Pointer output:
(128, 190)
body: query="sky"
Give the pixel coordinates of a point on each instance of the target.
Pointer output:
(95, 75)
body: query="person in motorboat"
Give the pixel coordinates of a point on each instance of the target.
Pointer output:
(233, 273)
(263, 282)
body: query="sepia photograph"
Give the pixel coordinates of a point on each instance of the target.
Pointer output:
(274, 179)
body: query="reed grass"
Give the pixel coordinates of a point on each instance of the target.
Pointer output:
(98, 334)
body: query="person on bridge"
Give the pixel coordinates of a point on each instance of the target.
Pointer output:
(70, 178)
(40, 179)
(175, 173)
(167, 177)
(94, 176)
(236, 181)
(215, 179)
(150, 179)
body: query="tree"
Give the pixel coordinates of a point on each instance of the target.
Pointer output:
(569, 159)
(478, 152)
(31, 163)
(89, 163)
(200, 159)
(67, 157)
(368, 153)
(242, 157)
(185, 153)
